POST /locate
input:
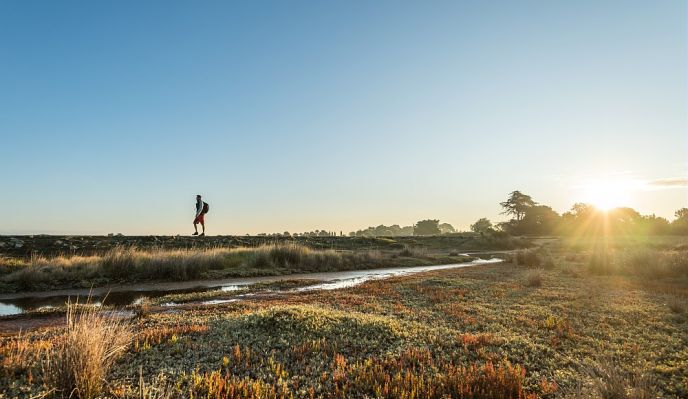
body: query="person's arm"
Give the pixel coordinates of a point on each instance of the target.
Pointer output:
(199, 208)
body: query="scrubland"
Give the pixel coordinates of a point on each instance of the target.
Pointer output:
(546, 323)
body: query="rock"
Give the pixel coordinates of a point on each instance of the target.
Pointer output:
(111, 234)
(18, 244)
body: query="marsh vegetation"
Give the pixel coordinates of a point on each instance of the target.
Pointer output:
(130, 264)
(481, 332)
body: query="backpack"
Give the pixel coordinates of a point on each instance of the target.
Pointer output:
(205, 208)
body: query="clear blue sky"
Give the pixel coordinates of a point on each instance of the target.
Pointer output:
(297, 115)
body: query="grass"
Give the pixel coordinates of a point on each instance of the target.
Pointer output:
(533, 278)
(73, 361)
(128, 264)
(610, 382)
(677, 304)
(642, 262)
(476, 332)
(81, 358)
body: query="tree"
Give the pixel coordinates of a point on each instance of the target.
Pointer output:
(482, 226)
(517, 204)
(682, 214)
(446, 228)
(680, 224)
(427, 227)
(580, 210)
(539, 219)
(654, 225)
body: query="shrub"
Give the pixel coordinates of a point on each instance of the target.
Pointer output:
(81, 357)
(528, 257)
(533, 278)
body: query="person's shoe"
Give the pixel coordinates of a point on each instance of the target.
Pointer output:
(202, 235)
(195, 234)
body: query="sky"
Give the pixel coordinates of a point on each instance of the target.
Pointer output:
(302, 115)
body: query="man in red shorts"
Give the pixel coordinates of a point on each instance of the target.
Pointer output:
(201, 210)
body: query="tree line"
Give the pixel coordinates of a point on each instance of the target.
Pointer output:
(528, 217)
(427, 227)
(531, 218)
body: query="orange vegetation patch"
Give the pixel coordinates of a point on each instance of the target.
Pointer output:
(156, 335)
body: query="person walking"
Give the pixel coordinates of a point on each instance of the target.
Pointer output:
(201, 210)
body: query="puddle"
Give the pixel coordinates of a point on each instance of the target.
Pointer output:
(12, 304)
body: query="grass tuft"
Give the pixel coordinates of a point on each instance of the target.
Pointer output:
(533, 278)
(81, 357)
(677, 304)
(611, 382)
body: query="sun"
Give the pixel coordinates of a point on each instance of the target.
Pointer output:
(606, 195)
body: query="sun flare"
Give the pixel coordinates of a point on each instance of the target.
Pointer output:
(607, 195)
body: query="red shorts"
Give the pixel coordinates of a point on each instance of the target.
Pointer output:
(199, 219)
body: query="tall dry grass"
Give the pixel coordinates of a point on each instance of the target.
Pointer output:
(611, 382)
(80, 358)
(644, 262)
(299, 257)
(133, 264)
(121, 263)
(533, 278)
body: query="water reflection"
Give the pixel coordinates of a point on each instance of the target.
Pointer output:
(330, 281)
